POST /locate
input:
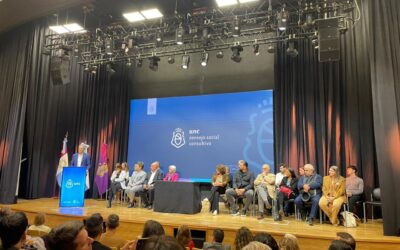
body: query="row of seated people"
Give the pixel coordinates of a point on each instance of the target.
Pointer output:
(94, 233)
(328, 193)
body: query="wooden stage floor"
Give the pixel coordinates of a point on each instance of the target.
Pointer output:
(319, 236)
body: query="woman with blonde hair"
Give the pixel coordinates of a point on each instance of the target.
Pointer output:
(289, 242)
(333, 194)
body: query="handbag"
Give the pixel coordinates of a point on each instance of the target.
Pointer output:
(349, 219)
(286, 191)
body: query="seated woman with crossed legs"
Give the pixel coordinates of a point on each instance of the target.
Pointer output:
(219, 182)
(333, 194)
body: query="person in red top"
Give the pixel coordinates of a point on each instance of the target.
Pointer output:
(172, 175)
(184, 237)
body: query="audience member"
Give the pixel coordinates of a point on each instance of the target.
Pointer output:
(172, 175)
(12, 229)
(242, 187)
(265, 186)
(136, 182)
(218, 238)
(219, 183)
(111, 238)
(279, 176)
(94, 227)
(255, 245)
(118, 178)
(267, 239)
(38, 224)
(152, 228)
(346, 237)
(309, 186)
(287, 190)
(159, 243)
(243, 237)
(147, 194)
(339, 245)
(333, 194)
(354, 187)
(184, 237)
(69, 236)
(289, 242)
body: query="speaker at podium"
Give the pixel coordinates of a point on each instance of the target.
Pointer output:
(73, 187)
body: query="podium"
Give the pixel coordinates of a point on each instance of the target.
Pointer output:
(73, 187)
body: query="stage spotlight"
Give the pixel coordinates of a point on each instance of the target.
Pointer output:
(206, 36)
(204, 59)
(110, 68)
(94, 69)
(139, 62)
(236, 53)
(86, 67)
(236, 27)
(271, 48)
(109, 46)
(153, 63)
(291, 50)
(256, 49)
(185, 61)
(180, 32)
(283, 17)
(159, 38)
(220, 54)
(171, 60)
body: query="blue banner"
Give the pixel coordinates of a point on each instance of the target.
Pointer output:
(196, 133)
(73, 187)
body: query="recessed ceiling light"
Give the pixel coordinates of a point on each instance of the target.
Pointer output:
(59, 29)
(222, 3)
(73, 27)
(133, 16)
(151, 13)
(247, 1)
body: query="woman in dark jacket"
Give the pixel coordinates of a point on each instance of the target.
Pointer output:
(287, 190)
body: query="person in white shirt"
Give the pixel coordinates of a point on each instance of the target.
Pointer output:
(279, 176)
(147, 194)
(117, 180)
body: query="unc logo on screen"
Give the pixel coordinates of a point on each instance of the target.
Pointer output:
(69, 184)
(178, 138)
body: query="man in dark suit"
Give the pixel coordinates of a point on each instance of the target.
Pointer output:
(218, 238)
(81, 159)
(147, 195)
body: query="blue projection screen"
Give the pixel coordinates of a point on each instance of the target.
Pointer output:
(196, 133)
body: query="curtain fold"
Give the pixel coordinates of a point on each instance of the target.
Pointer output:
(384, 48)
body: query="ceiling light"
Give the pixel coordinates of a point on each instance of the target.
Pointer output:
(159, 38)
(236, 53)
(153, 64)
(236, 27)
(133, 16)
(180, 31)
(283, 17)
(247, 1)
(129, 63)
(291, 50)
(73, 27)
(222, 3)
(204, 59)
(59, 29)
(185, 61)
(220, 54)
(109, 46)
(151, 13)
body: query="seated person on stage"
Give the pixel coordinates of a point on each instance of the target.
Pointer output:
(265, 186)
(38, 224)
(117, 182)
(242, 183)
(136, 182)
(111, 238)
(287, 190)
(218, 238)
(125, 167)
(279, 176)
(94, 227)
(155, 174)
(172, 175)
(333, 194)
(219, 183)
(301, 171)
(230, 177)
(354, 187)
(309, 186)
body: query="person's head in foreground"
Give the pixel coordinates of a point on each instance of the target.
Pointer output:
(346, 237)
(289, 242)
(339, 245)
(255, 245)
(152, 228)
(112, 221)
(243, 237)
(69, 236)
(13, 228)
(183, 236)
(267, 239)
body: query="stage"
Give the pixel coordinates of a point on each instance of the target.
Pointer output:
(368, 236)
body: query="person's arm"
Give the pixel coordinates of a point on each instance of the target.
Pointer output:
(258, 180)
(317, 184)
(341, 189)
(325, 186)
(113, 176)
(121, 177)
(142, 179)
(166, 177)
(271, 179)
(160, 175)
(234, 181)
(73, 161)
(360, 189)
(87, 162)
(225, 180)
(251, 183)
(300, 184)
(175, 177)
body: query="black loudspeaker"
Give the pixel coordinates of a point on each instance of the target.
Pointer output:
(59, 70)
(328, 37)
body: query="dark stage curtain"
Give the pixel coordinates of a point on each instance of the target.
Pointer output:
(92, 108)
(384, 48)
(323, 111)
